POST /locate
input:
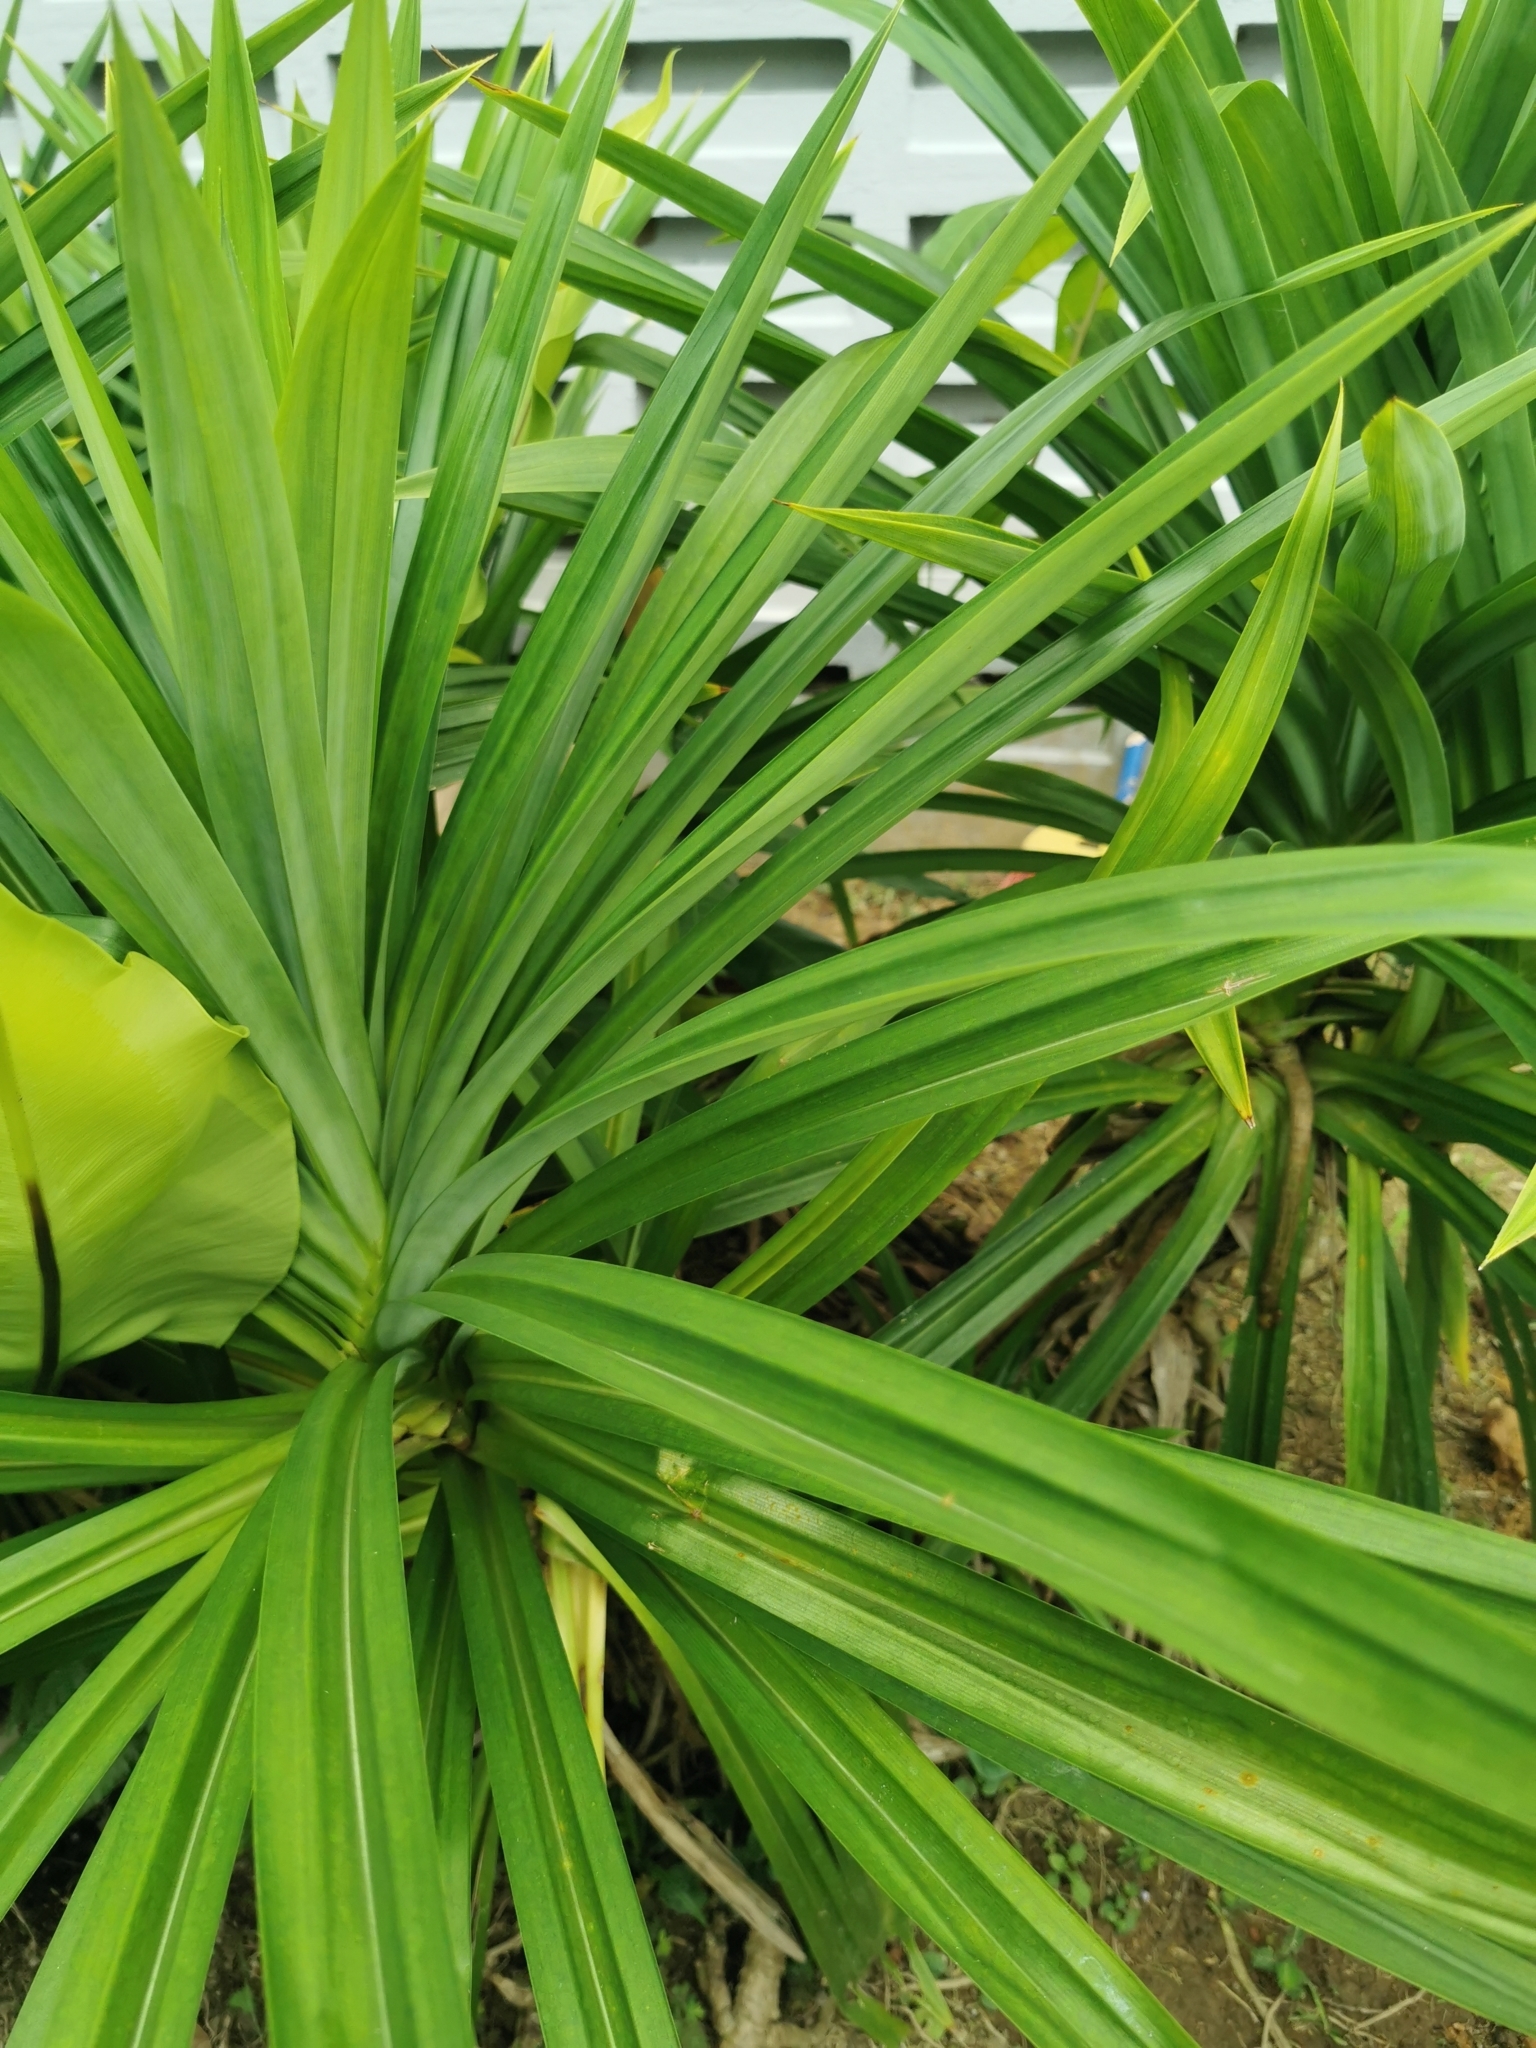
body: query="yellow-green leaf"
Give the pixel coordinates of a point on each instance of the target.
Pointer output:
(147, 1177)
(1138, 204)
(969, 545)
(1519, 1225)
(1216, 1040)
(359, 145)
(237, 188)
(1396, 48)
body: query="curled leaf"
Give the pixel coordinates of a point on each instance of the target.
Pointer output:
(147, 1177)
(1399, 558)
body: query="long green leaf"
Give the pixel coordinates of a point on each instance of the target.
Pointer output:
(1204, 209)
(925, 1843)
(445, 1693)
(79, 765)
(353, 1918)
(236, 590)
(994, 1057)
(1018, 1261)
(337, 428)
(46, 1442)
(1448, 1111)
(1498, 624)
(1478, 100)
(836, 1905)
(1111, 1349)
(29, 385)
(493, 829)
(63, 1764)
(1202, 789)
(359, 146)
(1485, 337)
(1508, 1000)
(1336, 110)
(1395, 708)
(1475, 1215)
(877, 1195)
(889, 704)
(1446, 1553)
(132, 1949)
(41, 563)
(1007, 84)
(1394, 45)
(589, 1956)
(77, 196)
(1295, 189)
(489, 407)
(1370, 1655)
(31, 872)
(1137, 1739)
(70, 508)
(1365, 1330)
(237, 189)
(458, 323)
(69, 1570)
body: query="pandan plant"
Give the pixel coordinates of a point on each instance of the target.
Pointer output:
(325, 424)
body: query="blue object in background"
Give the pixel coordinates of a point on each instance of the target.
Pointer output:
(1133, 766)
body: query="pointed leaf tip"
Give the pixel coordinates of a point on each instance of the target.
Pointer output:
(1519, 1225)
